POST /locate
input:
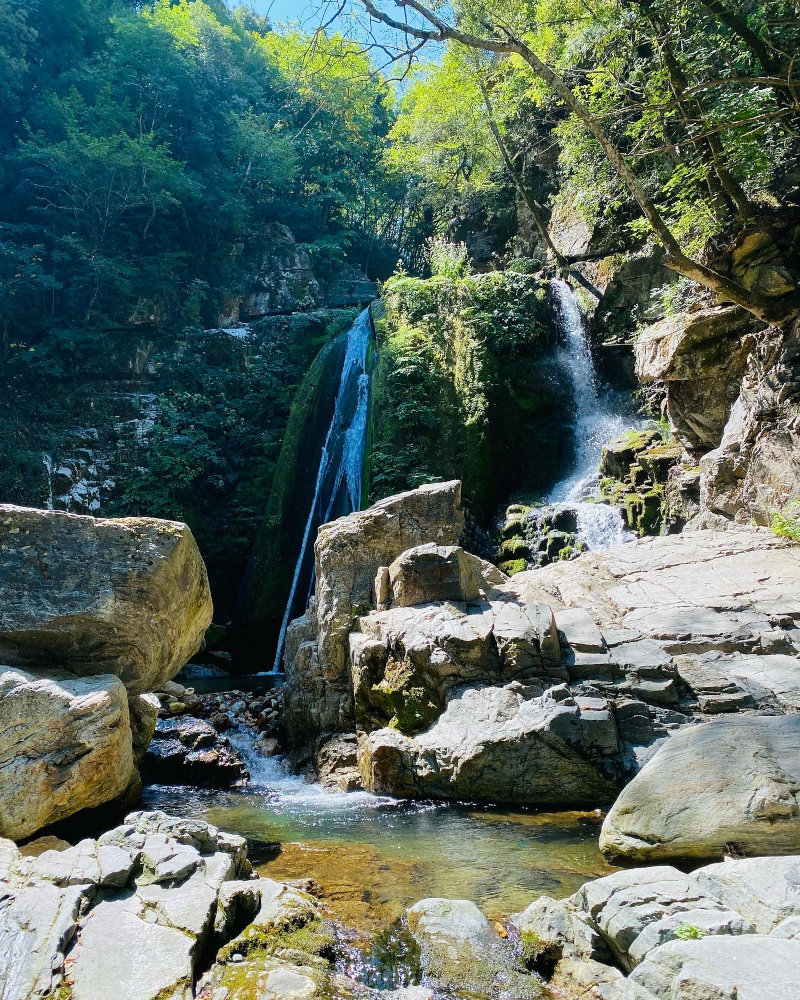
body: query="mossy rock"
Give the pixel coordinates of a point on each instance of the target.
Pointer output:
(621, 453)
(515, 548)
(512, 566)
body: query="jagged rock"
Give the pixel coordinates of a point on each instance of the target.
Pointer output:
(459, 949)
(336, 764)
(65, 745)
(349, 553)
(731, 782)
(406, 661)
(189, 751)
(498, 745)
(701, 356)
(629, 918)
(127, 597)
(719, 968)
(127, 915)
(143, 711)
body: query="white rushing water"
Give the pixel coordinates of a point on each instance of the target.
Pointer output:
(597, 420)
(339, 477)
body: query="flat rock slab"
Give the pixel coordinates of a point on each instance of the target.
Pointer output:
(124, 596)
(675, 580)
(734, 782)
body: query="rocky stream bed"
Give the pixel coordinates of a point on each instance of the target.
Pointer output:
(443, 799)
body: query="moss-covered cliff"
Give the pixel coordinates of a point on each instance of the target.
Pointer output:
(466, 386)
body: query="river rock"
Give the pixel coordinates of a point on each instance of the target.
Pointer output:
(719, 968)
(627, 919)
(734, 782)
(65, 745)
(460, 950)
(190, 751)
(498, 744)
(348, 554)
(127, 915)
(128, 597)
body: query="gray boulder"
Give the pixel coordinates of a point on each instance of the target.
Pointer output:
(719, 968)
(734, 782)
(498, 744)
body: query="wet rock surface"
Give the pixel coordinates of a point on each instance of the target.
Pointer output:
(190, 751)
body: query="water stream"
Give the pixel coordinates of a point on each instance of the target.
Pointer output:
(340, 471)
(598, 418)
(375, 856)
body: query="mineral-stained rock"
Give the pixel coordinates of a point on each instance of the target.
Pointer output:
(731, 782)
(497, 745)
(128, 597)
(349, 553)
(65, 745)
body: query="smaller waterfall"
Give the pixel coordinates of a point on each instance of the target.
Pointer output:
(49, 468)
(597, 420)
(339, 478)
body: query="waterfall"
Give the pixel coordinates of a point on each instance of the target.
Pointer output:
(339, 478)
(597, 420)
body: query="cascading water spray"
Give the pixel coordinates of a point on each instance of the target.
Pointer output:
(597, 421)
(339, 477)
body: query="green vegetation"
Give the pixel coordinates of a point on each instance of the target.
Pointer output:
(464, 386)
(149, 150)
(688, 932)
(634, 472)
(786, 523)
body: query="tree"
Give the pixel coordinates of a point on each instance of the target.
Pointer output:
(507, 32)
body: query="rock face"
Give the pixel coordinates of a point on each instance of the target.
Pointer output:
(701, 357)
(725, 931)
(731, 783)
(127, 597)
(348, 553)
(64, 745)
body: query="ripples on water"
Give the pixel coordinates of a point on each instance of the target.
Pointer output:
(375, 856)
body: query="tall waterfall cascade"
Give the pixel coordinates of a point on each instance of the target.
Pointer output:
(339, 476)
(597, 420)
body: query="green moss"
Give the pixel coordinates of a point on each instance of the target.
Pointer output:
(461, 388)
(281, 530)
(515, 547)
(512, 566)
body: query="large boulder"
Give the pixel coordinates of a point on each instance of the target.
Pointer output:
(65, 745)
(500, 744)
(732, 783)
(348, 554)
(128, 597)
(189, 751)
